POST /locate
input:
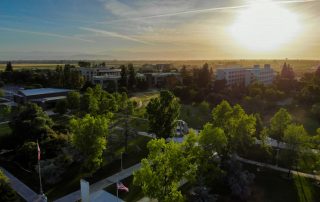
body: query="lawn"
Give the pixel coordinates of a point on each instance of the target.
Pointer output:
(195, 115)
(270, 185)
(4, 129)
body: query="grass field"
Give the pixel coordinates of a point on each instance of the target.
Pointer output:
(270, 185)
(30, 66)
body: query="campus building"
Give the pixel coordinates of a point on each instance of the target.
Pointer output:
(44, 97)
(90, 72)
(246, 76)
(159, 79)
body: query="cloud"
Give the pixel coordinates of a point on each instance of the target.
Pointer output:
(113, 34)
(130, 14)
(45, 34)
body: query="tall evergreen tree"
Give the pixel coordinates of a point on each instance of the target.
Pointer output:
(9, 67)
(132, 81)
(123, 82)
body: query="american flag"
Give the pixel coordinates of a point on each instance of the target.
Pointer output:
(38, 151)
(121, 187)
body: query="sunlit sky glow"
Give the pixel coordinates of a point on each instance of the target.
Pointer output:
(159, 30)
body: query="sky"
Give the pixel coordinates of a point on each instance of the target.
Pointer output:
(159, 30)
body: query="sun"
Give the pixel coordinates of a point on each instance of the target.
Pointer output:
(265, 26)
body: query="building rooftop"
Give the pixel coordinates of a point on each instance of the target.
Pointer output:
(42, 91)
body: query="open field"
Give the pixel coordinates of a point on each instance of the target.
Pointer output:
(30, 66)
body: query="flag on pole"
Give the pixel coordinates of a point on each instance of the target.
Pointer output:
(38, 152)
(121, 187)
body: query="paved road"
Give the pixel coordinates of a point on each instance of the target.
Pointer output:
(75, 196)
(273, 167)
(22, 189)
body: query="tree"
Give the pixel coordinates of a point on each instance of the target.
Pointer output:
(166, 165)
(9, 67)
(84, 64)
(132, 81)
(212, 142)
(296, 138)
(279, 123)
(315, 110)
(30, 123)
(259, 124)
(89, 102)
(6, 192)
(27, 154)
(90, 138)
(73, 99)
(123, 82)
(61, 106)
(239, 180)
(5, 112)
(238, 126)
(162, 113)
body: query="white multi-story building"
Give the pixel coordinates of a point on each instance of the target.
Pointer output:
(245, 76)
(90, 72)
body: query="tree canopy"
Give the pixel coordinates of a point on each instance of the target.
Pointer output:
(279, 122)
(90, 138)
(31, 123)
(238, 126)
(166, 165)
(162, 113)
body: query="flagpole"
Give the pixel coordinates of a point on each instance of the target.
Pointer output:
(39, 167)
(121, 161)
(117, 188)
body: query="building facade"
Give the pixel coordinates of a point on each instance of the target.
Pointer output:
(246, 76)
(90, 72)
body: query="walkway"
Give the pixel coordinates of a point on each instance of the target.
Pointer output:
(22, 189)
(75, 196)
(273, 167)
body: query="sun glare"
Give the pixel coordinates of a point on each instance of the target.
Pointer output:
(265, 26)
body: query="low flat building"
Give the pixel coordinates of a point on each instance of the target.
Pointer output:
(246, 76)
(45, 97)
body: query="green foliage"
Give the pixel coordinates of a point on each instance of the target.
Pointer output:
(68, 77)
(162, 113)
(30, 123)
(238, 126)
(61, 106)
(167, 164)
(315, 110)
(297, 140)
(89, 137)
(73, 99)
(279, 122)
(7, 194)
(96, 101)
(27, 154)
(123, 82)
(132, 81)
(1, 93)
(212, 142)
(5, 112)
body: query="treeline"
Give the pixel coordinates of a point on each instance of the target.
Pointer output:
(63, 76)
